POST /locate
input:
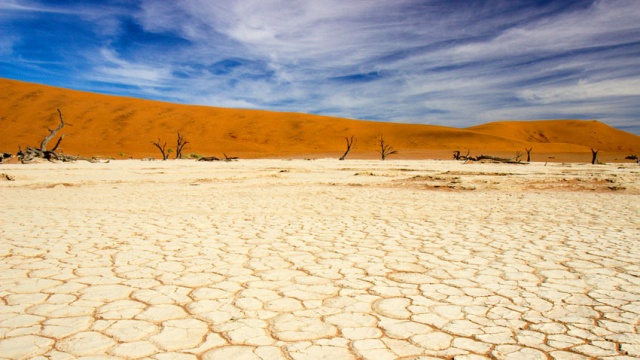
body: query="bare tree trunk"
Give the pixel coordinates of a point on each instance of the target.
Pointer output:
(52, 133)
(528, 154)
(351, 142)
(513, 160)
(208, 158)
(594, 154)
(161, 148)
(181, 143)
(31, 153)
(385, 150)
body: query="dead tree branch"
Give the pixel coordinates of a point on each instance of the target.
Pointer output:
(181, 144)
(52, 133)
(513, 160)
(58, 142)
(528, 154)
(351, 142)
(162, 148)
(229, 158)
(594, 156)
(385, 149)
(31, 153)
(518, 156)
(457, 156)
(208, 158)
(466, 158)
(213, 158)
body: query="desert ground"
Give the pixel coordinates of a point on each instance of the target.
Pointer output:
(319, 259)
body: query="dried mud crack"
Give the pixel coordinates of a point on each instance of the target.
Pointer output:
(251, 266)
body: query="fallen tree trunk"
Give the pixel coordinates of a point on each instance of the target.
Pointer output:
(498, 159)
(466, 158)
(457, 156)
(208, 158)
(29, 154)
(229, 158)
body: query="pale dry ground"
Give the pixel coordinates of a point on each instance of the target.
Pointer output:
(276, 259)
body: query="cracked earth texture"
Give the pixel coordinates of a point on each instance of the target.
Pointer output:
(275, 259)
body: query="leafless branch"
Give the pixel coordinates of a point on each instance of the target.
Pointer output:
(162, 148)
(52, 133)
(181, 143)
(351, 142)
(594, 156)
(385, 149)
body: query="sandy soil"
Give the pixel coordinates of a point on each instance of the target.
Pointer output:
(296, 259)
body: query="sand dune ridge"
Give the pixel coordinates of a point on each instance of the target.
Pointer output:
(122, 127)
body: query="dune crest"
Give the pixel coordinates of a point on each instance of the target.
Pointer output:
(122, 127)
(587, 133)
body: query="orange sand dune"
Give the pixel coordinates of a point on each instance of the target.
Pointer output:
(114, 126)
(591, 134)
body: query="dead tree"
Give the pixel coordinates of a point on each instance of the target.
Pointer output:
(385, 149)
(208, 158)
(181, 143)
(594, 154)
(528, 154)
(457, 156)
(52, 133)
(4, 156)
(351, 142)
(518, 156)
(513, 160)
(229, 158)
(493, 158)
(31, 153)
(162, 148)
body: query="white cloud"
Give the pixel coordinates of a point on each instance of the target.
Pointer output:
(435, 61)
(223, 101)
(26, 7)
(463, 77)
(583, 91)
(113, 69)
(607, 23)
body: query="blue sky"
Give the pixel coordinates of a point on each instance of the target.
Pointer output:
(445, 62)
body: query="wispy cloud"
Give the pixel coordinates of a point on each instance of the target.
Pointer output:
(453, 63)
(583, 90)
(116, 70)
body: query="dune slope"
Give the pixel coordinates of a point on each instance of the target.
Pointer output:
(103, 125)
(587, 133)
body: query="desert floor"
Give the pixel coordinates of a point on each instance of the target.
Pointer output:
(321, 259)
